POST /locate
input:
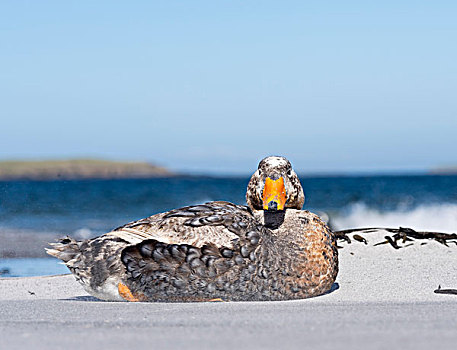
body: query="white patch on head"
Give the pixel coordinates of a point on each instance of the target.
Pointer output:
(275, 161)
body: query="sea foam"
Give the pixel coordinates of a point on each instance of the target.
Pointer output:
(434, 217)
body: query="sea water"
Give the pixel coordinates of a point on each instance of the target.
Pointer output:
(25, 267)
(86, 208)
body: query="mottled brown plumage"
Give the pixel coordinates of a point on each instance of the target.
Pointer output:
(215, 250)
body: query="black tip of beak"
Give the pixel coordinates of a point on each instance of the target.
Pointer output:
(272, 205)
(274, 176)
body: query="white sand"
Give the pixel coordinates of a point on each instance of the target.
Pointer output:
(385, 299)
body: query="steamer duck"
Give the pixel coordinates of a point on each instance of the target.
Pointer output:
(267, 250)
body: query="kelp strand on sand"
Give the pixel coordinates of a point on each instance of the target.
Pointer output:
(400, 235)
(445, 291)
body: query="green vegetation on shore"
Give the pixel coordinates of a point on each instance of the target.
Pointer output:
(78, 169)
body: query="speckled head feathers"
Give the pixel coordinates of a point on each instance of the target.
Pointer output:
(275, 167)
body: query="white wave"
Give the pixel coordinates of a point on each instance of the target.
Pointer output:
(434, 217)
(84, 233)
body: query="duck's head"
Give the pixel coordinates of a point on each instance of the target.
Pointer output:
(275, 186)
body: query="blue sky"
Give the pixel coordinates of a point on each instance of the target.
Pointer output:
(214, 86)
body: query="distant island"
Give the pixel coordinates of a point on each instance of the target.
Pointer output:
(78, 169)
(450, 170)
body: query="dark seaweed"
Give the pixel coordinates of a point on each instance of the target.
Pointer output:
(445, 291)
(402, 234)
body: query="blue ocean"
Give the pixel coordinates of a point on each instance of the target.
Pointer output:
(86, 208)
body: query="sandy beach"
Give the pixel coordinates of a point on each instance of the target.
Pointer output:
(383, 299)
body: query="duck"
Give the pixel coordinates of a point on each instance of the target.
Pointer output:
(268, 250)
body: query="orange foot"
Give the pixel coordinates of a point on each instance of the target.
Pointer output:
(125, 293)
(215, 299)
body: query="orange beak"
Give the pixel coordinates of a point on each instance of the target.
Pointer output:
(274, 192)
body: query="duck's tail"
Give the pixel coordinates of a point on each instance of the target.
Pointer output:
(65, 249)
(95, 263)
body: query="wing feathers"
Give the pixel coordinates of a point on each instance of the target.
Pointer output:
(218, 223)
